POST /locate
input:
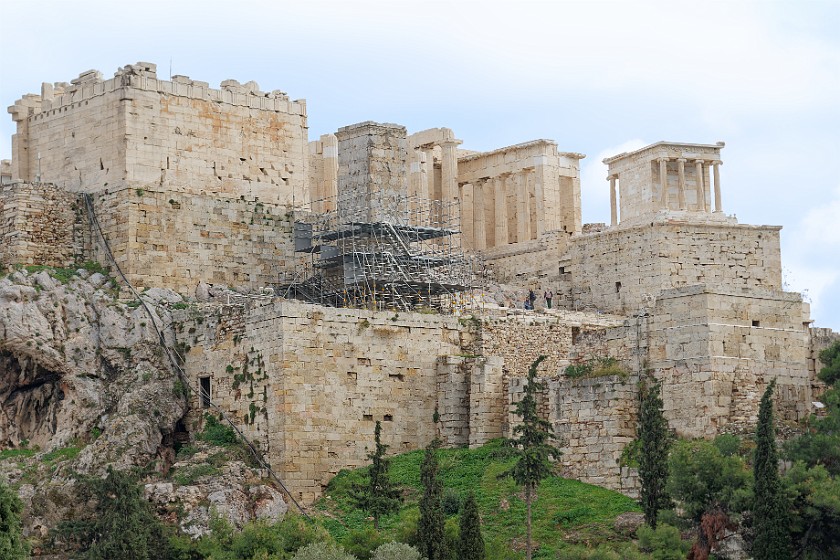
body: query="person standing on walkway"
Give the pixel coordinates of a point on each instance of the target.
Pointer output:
(548, 295)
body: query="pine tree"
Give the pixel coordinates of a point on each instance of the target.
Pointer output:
(430, 527)
(12, 545)
(378, 496)
(533, 447)
(654, 444)
(470, 542)
(772, 537)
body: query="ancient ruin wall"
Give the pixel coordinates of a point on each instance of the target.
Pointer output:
(39, 225)
(319, 378)
(137, 130)
(615, 269)
(173, 240)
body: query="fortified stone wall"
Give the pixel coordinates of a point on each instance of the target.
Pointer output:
(331, 374)
(617, 270)
(40, 224)
(137, 130)
(530, 262)
(173, 240)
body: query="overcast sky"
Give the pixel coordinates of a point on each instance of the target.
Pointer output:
(597, 77)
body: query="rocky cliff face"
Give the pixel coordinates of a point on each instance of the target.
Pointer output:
(76, 363)
(84, 384)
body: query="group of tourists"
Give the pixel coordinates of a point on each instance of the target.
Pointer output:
(548, 295)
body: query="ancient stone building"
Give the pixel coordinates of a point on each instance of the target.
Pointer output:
(187, 183)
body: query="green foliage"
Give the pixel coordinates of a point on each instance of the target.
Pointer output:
(596, 367)
(821, 445)
(772, 539)
(16, 452)
(61, 454)
(217, 433)
(189, 475)
(483, 471)
(815, 511)
(378, 496)
(830, 357)
(727, 444)
(470, 542)
(12, 544)
(702, 479)
(430, 527)
(663, 543)
(122, 524)
(451, 502)
(322, 551)
(363, 542)
(396, 551)
(531, 440)
(654, 444)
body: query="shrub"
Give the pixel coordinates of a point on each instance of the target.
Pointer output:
(12, 545)
(363, 542)
(663, 543)
(217, 433)
(396, 551)
(322, 551)
(451, 502)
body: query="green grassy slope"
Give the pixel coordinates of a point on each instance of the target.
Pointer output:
(566, 511)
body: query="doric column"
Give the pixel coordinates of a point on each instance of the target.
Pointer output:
(479, 229)
(663, 181)
(449, 171)
(681, 172)
(537, 175)
(523, 226)
(613, 205)
(429, 190)
(707, 192)
(500, 210)
(718, 204)
(701, 194)
(467, 219)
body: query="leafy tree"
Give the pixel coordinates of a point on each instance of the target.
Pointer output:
(702, 479)
(322, 551)
(122, 524)
(379, 496)
(531, 442)
(821, 445)
(396, 551)
(772, 539)
(815, 511)
(12, 545)
(430, 527)
(654, 443)
(470, 543)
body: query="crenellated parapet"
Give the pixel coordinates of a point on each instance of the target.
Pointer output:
(136, 130)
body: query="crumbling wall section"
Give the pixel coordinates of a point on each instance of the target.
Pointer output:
(40, 224)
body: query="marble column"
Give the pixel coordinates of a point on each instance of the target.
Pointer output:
(523, 226)
(449, 171)
(707, 193)
(479, 228)
(613, 201)
(663, 182)
(718, 203)
(467, 216)
(681, 172)
(429, 187)
(500, 215)
(698, 188)
(330, 185)
(537, 175)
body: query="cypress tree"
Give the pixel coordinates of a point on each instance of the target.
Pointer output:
(470, 542)
(378, 496)
(654, 444)
(532, 445)
(430, 533)
(772, 537)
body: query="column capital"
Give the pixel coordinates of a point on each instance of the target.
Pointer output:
(663, 159)
(716, 162)
(681, 160)
(451, 143)
(612, 176)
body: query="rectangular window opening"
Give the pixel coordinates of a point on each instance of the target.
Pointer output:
(617, 287)
(368, 417)
(204, 395)
(388, 418)
(755, 323)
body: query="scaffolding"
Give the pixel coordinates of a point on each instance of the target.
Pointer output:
(403, 254)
